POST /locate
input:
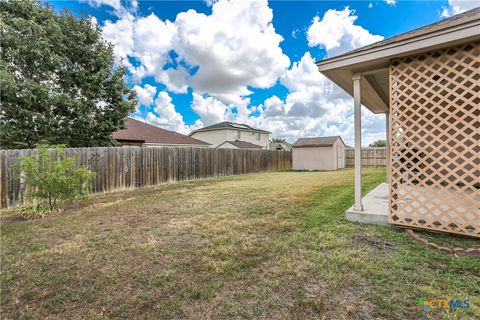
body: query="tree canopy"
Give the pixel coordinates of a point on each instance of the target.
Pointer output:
(59, 80)
(378, 144)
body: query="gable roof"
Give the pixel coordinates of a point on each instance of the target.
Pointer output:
(373, 60)
(283, 145)
(244, 145)
(229, 125)
(316, 142)
(139, 131)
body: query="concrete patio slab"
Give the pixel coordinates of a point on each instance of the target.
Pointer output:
(375, 207)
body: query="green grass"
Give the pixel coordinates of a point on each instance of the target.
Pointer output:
(269, 245)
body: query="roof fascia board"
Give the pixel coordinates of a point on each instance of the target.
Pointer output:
(227, 142)
(235, 129)
(159, 144)
(313, 146)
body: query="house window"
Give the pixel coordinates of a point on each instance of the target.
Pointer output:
(257, 136)
(237, 134)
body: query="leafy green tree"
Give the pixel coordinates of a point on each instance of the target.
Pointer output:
(53, 178)
(378, 144)
(278, 140)
(58, 78)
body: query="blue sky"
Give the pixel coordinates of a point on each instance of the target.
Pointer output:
(194, 63)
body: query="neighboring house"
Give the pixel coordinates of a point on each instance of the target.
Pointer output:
(426, 81)
(138, 133)
(237, 144)
(219, 133)
(280, 146)
(318, 153)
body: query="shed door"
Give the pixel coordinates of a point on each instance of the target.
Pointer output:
(339, 156)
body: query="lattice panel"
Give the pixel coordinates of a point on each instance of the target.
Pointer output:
(435, 121)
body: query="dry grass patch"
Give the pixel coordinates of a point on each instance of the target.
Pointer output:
(268, 246)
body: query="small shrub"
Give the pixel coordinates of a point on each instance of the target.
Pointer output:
(32, 211)
(53, 179)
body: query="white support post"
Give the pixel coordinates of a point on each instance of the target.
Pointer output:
(387, 145)
(357, 110)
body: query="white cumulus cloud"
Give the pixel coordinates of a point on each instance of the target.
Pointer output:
(233, 48)
(223, 54)
(115, 4)
(458, 6)
(314, 105)
(145, 94)
(165, 115)
(145, 40)
(209, 109)
(337, 32)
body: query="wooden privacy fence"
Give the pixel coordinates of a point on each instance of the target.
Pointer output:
(119, 168)
(371, 157)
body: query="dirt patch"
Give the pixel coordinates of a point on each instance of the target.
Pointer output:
(337, 303)
(373, 241)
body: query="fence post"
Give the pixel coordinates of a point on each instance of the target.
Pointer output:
(119, 168)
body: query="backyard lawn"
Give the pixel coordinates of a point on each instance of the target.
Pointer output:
(267, 245)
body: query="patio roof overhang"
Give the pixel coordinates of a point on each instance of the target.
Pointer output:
(364, 73)
(372, 61)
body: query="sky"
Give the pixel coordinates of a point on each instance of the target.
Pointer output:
(195, 63)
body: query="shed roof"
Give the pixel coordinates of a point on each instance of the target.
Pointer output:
(316, 142)
(229, 125)
(373, 60)
(244, 145)
(139, 131)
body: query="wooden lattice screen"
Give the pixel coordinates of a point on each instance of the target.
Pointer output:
(435, 132)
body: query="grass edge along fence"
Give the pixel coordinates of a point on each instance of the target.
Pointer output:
(371, 157)
(121, 168)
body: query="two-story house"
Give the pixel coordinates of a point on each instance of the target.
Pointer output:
(233, 135)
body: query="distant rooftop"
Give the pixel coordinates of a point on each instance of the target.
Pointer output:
(244, 144)
(139, 131)
(316, 142)
(280, 145)
(229, 125)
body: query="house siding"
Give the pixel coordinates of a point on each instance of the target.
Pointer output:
(249, 136)
(214, 137)
(217, 137)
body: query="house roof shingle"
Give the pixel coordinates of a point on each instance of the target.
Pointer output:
(244, 144)
(229, 125)
(316, 142)
(139, 131)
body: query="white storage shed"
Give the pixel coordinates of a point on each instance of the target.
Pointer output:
(318, 153)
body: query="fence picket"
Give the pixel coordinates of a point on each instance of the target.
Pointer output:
(119, 168)
(371, 157)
